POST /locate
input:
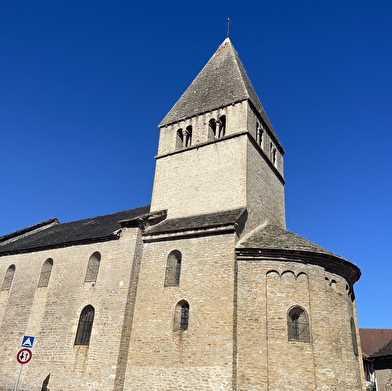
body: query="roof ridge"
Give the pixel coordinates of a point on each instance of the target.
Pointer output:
(104, 215)
(381, 348)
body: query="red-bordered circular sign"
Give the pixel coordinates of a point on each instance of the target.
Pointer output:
(24, 356)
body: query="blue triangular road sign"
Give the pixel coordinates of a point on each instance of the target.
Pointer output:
(27, 341)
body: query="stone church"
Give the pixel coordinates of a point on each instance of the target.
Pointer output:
(203, 290)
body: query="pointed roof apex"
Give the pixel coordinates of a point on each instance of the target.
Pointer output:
(222, 82)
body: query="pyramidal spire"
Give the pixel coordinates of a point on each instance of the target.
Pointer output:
(222, 82)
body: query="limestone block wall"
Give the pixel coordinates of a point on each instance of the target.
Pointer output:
(200, 358)
(265, 191)
(51, 314)
(202, 180)
(267, 359)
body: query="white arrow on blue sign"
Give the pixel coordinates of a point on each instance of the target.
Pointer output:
(27, 341)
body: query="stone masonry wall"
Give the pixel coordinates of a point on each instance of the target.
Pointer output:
(267, 359)
(51, 314)
(202, 180)
(265, 191)
(201, 358)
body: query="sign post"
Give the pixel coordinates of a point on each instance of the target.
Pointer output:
(24, 355)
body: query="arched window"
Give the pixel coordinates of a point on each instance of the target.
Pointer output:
(212, 128)
(298, 325)
(179, 139)
(354, 336)
(181, 316)
(173, 269)
(221, 123)
(85, 326)
(9, 276)
(259, 135)
(45, 273)
(188, 136)
(93, 267)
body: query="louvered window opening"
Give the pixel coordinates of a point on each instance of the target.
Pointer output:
(85, 326)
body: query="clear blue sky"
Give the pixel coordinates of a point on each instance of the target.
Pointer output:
(83, 85)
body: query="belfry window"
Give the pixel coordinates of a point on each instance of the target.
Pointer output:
(188, 136)
(9, 276)
(217, 128)
(93, 267)
(85, 326)
(298, 325)
(173, 269)
(273, 154)
(259, 135)
(181, 316)
(179, 139)
(184, 137)
(221, 126)
(212, 128)
(46, 271)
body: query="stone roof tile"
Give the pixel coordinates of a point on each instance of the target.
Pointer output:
(90, 229)
(273, 237)
(222, 82)
(210, 220)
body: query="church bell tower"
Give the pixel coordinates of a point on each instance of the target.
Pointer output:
(218, 150)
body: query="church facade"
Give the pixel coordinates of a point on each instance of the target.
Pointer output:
(204, 289)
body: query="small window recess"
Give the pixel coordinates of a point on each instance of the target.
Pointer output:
(8, 278)
(173, 269)
(93, 267)
(298, 325)
(46, 271)
(181, 316)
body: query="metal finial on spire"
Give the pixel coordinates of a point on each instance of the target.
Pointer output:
(228, 27)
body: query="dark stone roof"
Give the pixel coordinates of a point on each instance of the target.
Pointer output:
(86, 230)
(273, 241)
(273, 237)
(211, 220)
(220, 83)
